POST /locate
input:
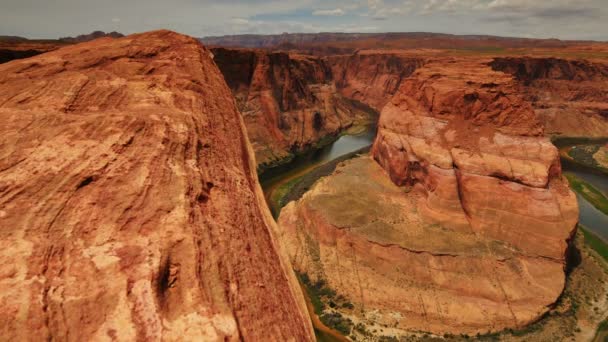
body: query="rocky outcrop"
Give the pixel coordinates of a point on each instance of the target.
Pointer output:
(463, 223)
(12, 48)
(289, 102)
(372, 77)
(467, 128)
(129, 203)
(16, 49)
(569, 96)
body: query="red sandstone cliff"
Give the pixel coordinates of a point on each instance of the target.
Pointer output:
(129, 203)
(466, 134)
(569, 96)
(289, 102)
(463, 222)
(372, 77)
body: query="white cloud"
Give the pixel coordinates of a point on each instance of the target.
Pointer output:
(329, 12)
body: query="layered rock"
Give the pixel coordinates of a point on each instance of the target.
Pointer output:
(466, 126)
(371, 76)
(569, 96)
(129, 203)
(18, 47)
(289, 102)
(465, 230)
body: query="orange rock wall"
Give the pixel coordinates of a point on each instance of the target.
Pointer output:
(129, 203)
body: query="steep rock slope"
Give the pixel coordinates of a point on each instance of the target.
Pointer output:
(371, 76)
(289, 102)
(463, 223)
(459, 124)
(129, 203)
(569, 96)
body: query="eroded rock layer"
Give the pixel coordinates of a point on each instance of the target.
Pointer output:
(372, 76)
(569, 96)
(289, 102)
(463, 222)
(129, 203)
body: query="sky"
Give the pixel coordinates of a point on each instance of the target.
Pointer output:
(564, 19)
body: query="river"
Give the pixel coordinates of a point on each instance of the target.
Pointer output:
(590, 217)
(272, 180)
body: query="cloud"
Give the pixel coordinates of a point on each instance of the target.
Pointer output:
(338, 12)
(379, 10)
(568, 19)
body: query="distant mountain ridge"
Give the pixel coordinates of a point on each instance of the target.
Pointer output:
(93, 35)
(329, 43)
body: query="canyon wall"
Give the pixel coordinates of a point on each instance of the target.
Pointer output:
(129, 202)
(569, 96)
(289, 102)
(372, 76)
(464, 130)
(460, 222)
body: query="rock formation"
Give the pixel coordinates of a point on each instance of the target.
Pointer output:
(289, 102)
(18, 47)
(129, 203)
(13, 48)
(463, 224)
(569, 96)
(372, 77)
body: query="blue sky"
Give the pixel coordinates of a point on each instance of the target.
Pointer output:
(565, 19)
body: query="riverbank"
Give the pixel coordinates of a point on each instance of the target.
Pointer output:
(294, 188)
(277, 181)
(589, 192)
(589, 154)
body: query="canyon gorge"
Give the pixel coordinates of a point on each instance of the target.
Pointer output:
(132, 209)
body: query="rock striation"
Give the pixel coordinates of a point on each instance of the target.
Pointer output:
(292, 103)
(569, 96)
(371, 76)
(466, 127)
(289, 102)
(460, 222)
(129, 203)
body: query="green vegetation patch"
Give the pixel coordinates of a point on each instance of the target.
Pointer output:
(589, 192)
(595, 243)
(279, 196)
(322, 296)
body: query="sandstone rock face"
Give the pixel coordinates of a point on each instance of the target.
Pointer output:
(289, 102)
(372, 77)
(129, 203)
(468, 128)
(464, 223)
(17, 47)
(569, 96)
